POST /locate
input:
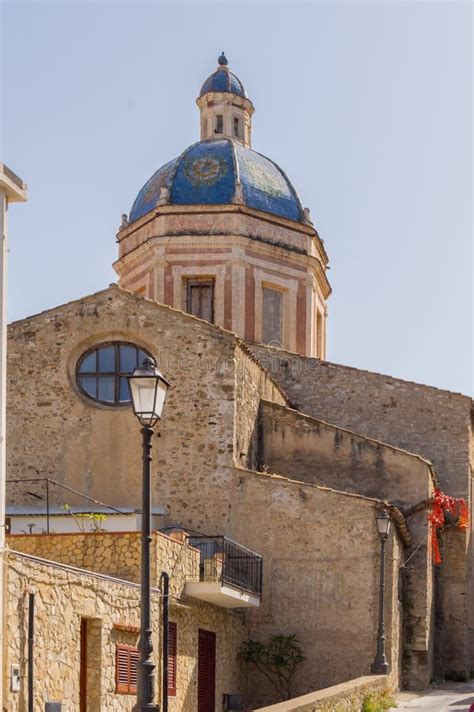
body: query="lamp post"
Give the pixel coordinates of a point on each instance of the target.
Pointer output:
(380, 665)
(148, 389)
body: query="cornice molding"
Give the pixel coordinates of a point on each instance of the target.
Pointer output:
(213, 210)
(192, 241)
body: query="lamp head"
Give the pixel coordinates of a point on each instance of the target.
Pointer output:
(148, 389)
(383, 523)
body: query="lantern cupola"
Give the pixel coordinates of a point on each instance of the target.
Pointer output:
(226, 111)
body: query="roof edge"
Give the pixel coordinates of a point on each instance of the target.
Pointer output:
(398, 517)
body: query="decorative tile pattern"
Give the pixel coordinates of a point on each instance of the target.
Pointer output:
(265, 186)
(204, 171)
(205, 174)
(147, 198)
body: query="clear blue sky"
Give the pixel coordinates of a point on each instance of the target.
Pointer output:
(365, 105)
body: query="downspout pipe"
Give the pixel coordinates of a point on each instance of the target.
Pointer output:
(165, 618)
(31, 642)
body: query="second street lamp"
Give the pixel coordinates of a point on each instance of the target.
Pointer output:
(381, 665)
(148, 389)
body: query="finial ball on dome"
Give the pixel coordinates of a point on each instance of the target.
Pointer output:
(222, 59)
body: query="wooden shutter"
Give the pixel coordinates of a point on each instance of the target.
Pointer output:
(126, 663)
(200, 299)
(206, 671)
(172, 658)
(272, 318)
(134, 658)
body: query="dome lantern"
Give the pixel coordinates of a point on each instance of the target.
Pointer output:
(226, 111)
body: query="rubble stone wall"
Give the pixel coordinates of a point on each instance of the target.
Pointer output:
(64, 596)
(321, 557)
(430, 422)
(114, 554)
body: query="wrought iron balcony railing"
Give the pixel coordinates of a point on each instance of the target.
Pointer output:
(222, 559)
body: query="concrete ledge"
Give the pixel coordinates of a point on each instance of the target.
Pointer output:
(346, 697)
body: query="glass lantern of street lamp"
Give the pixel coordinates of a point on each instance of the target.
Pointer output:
(383, 523)
(148, 389)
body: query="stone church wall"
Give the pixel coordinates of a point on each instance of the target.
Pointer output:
(97, 449)
(311, 450)
(433, 423)
(251, 385)
(320, 553)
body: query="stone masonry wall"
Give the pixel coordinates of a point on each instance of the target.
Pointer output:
(251, 385)
(311, 450)
(430, 422)
(63, 596)
(114, 554)
(320, 553)
(427, 421)
(97, 449)
(346, 697)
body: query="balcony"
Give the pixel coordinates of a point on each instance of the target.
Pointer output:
(229, 574)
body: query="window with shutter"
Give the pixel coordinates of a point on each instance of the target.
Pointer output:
(172, 658)
(200, 299)
(272, 318)
(126, 663)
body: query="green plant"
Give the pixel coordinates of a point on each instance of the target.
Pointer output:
(95, 518)
(378, 701)
(277, 660)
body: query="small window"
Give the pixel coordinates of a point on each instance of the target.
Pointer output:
(206, 128)
(319, 334)
(102, 372)
(272, 318)
(172, 658)
(219, 124)
(236, 127)
(200, 299)
(126, 662)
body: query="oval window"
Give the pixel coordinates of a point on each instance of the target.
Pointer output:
(102, 372)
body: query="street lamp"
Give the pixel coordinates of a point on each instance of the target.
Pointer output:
(380, 665)
(148, 389)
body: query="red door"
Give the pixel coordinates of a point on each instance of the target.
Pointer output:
(206, 671)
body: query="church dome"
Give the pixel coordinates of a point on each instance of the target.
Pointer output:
(223, 80)
(219, 172)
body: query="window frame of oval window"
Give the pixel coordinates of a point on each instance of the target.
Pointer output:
(117, 375)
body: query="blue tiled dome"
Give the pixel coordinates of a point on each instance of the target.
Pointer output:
(223, 80)
(208, 173)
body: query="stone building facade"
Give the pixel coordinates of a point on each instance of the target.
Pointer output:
(222, 281)
(220, 439)
(75, 584)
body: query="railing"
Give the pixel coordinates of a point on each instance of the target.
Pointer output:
(223, 560)
(44, 492)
